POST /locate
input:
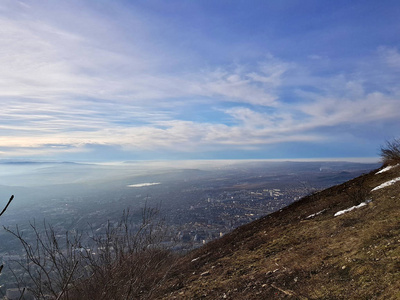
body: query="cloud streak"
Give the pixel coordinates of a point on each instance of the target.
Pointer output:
(81, 78)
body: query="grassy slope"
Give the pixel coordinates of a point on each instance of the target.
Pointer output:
(286, 256)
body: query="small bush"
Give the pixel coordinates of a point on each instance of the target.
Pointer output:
(126, 261)
(358, 194)
(390, 153)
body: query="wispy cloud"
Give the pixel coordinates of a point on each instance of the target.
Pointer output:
(78, 74)
(391, 56)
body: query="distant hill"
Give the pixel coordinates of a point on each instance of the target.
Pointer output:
(340, 243)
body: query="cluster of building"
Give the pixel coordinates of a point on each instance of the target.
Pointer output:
(215, 215)
(203, 219)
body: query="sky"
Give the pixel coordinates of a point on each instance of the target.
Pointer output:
(96, 80)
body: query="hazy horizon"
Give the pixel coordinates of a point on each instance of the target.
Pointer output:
(40, 173)
(371, 159)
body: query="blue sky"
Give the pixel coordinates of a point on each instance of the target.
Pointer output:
(132, 80)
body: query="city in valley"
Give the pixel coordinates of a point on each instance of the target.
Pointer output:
(195, 202)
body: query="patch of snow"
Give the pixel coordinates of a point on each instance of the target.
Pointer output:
(386, 169)
(194, 259)
(386, 184)
(341, 212)
(316, 214)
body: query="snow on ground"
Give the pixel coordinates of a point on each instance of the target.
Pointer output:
(387, 183)
(316, 214)
(386, 169)
(341, 212)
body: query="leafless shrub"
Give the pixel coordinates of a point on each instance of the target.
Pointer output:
(124, 262)
(1, 213)
(130, 261)
(358, 193)
(390, 153)
(49, 264)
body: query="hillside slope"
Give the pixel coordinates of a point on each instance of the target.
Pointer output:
(304, 251)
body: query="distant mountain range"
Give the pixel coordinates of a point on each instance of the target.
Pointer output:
(27, 162)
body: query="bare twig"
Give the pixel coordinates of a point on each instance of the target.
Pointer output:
(126, 260)
(286, 292)
(289, 293)
(390, 153)
(22, 294)
(5, 208)
(66, 284)
(2, 212)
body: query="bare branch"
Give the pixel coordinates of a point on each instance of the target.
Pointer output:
(5, 208)
(390, 153)
(22, 294)
(68, 281)
(124, 261)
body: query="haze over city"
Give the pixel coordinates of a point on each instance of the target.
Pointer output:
(199, 149)
(152, 80)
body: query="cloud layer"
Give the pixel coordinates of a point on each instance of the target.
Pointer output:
(79, 79)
